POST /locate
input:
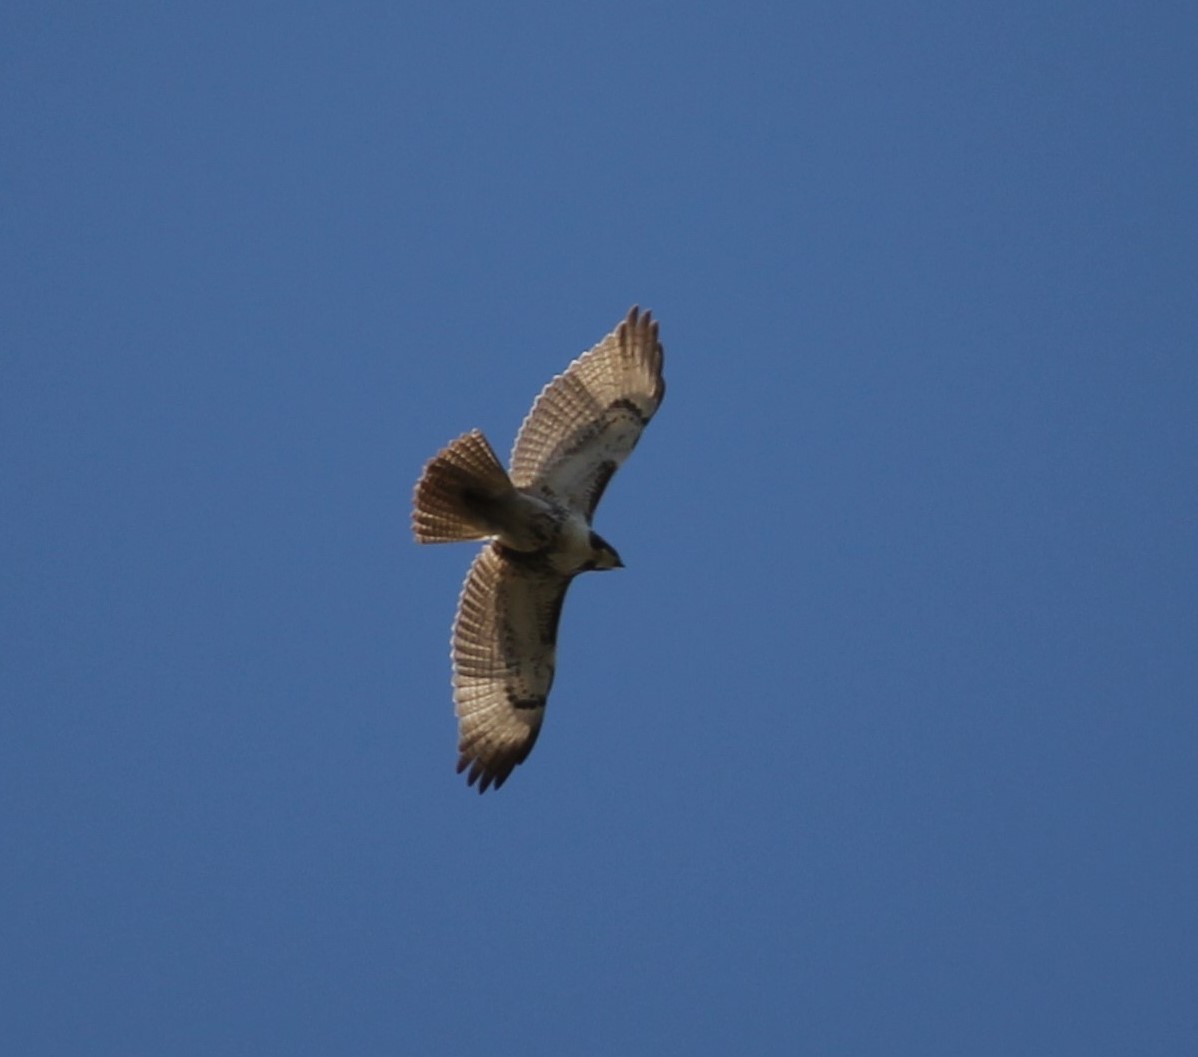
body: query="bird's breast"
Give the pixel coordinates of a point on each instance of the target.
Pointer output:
(573, 551)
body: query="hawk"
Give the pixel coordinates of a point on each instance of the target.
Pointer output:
(538, 520)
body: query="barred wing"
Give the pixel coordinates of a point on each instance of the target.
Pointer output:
(587, 420)
(504, 652)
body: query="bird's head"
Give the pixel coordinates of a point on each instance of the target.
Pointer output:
(603, 554)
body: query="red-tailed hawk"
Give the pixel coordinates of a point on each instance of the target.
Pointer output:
(579, 431)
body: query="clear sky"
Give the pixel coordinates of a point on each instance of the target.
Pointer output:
(884, 742)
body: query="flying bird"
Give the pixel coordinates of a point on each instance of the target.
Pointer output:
(537, 518)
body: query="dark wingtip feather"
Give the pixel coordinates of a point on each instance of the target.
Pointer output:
(480, 770)
(645, 322)
(491, 773)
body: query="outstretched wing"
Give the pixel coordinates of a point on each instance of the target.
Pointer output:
(504, 651)
(587, 420)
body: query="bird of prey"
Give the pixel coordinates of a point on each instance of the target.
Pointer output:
(538, 521)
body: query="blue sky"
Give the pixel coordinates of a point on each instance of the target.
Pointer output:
(883, 743)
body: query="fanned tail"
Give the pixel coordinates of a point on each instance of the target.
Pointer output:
(459, 491)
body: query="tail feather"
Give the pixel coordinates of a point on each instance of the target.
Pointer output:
(460, 485)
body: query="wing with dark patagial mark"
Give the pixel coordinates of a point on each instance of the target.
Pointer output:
(504, 651)
(587, 420)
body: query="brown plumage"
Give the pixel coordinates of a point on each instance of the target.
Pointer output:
(458, 486)
(580, 429)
